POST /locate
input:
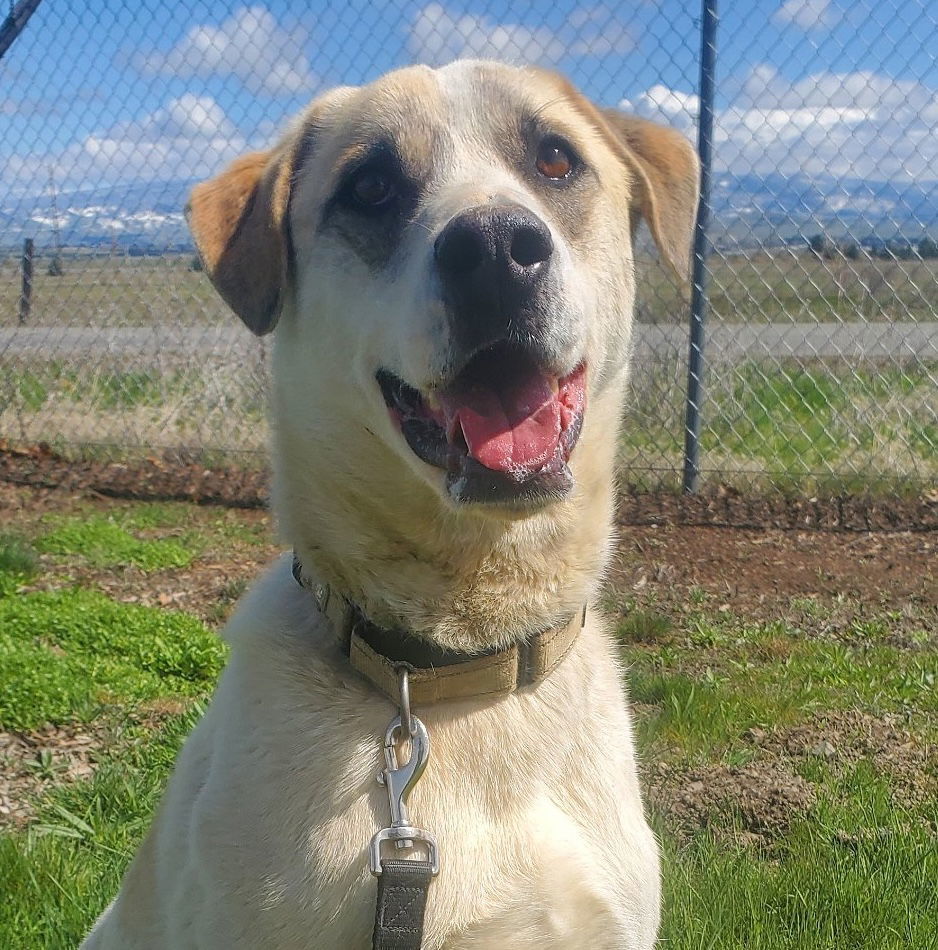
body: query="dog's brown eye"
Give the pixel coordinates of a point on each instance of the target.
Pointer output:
(372, 189)
(554, 161)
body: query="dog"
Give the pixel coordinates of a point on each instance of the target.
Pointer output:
(447, 258)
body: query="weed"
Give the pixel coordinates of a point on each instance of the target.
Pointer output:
(643, 626)
(17, 557)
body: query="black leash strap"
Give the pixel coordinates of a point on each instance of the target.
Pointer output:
(402, 901)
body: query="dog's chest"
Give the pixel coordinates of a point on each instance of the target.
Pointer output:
(523, 875)
(263, 837)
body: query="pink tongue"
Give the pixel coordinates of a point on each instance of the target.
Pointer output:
(512, 428)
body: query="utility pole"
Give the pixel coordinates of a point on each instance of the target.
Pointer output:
(55, 265)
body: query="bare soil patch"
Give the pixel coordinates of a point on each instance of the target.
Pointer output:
(755, 570)
(751, 802)
(907, 757)
(172, 476)
(757, 802)
(243, 482)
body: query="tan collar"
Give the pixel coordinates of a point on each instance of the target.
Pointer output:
(437, 675)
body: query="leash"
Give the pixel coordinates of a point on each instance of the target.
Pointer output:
(403, 884)
(399, 666)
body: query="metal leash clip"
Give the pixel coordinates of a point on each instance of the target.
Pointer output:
(399, 779)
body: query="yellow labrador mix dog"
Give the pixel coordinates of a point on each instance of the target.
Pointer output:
(447, 258)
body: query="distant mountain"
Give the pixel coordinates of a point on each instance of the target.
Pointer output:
(147, 215)
(749, 211)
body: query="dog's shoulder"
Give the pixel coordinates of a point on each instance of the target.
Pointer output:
(275, 608)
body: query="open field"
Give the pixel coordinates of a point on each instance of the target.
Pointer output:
(783, 682)
(138, 355)
(778, 287)
(798, 425)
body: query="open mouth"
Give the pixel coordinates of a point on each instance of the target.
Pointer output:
(502, 430)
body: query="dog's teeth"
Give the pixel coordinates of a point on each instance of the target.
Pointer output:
(432, 401)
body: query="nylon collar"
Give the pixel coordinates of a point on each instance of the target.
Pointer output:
(435, 674)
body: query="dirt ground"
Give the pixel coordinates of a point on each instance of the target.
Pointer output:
(755, 570)
(757, 802)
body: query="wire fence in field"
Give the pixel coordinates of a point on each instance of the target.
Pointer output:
(820, 350)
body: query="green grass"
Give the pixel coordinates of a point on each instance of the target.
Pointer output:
(795, 426)
(17, 557)
(107, 389)
(106, 542)
(823, 888)
(852, 870)
(61, 872)
(857, 870)
(67, 654)
(717, 676)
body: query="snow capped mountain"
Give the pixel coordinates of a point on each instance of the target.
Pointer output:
(748, 211)
(752, 210)
(147, 215)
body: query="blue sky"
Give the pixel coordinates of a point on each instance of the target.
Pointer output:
(107, 92)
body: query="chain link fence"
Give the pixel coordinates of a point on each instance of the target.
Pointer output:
(821, 343)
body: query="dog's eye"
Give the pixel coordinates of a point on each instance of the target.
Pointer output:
(554, 160)
(372, 189)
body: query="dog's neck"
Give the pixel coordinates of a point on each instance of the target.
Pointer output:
(463, 580)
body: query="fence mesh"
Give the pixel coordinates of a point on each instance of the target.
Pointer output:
(822, 331)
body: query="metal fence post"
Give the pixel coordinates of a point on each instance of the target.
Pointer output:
(16, 22)
(26, 292)
(698, 309)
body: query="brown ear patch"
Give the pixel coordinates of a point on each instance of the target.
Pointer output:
(238, 222)
(669, 172)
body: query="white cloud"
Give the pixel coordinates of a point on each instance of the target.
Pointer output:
(190, 137)
(807, 14)
(250, 45)
(438, 36)
(677, 109)
(842, 125)
(192, 116)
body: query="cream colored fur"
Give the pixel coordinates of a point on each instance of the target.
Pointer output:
(261, 839)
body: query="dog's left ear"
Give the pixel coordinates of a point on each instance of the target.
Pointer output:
(668, 173)
(238, 220)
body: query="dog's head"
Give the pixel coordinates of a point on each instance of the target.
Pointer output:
(448, 254)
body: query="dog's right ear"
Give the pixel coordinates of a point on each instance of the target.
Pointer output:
(238, 220)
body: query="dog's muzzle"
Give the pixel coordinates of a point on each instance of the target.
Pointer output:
(493, 262)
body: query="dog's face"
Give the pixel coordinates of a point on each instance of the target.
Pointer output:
(449, 256)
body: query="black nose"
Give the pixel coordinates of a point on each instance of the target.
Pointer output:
(492, 261)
